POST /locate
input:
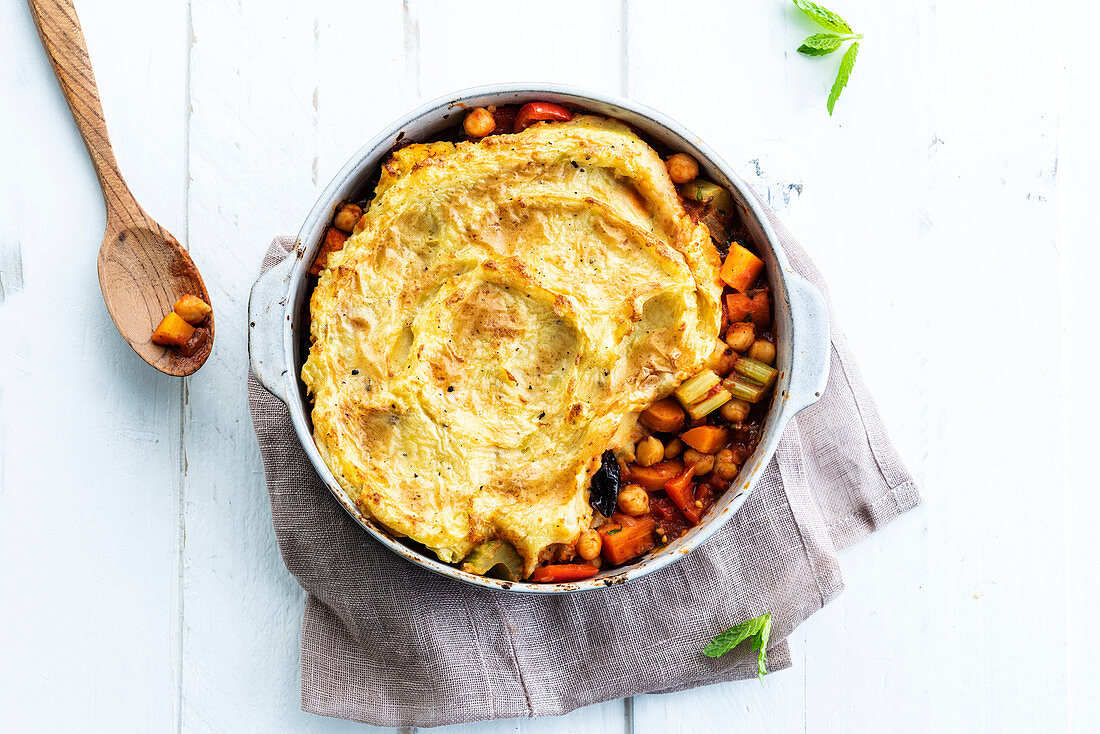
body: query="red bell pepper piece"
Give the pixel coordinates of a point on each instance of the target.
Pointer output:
(533, 112)
(681, 490)
(563, 572)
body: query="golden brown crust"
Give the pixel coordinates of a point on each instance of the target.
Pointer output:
(508, 307)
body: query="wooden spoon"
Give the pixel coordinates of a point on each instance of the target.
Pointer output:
(142, 268)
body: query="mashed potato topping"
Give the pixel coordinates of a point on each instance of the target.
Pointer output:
(500, 315)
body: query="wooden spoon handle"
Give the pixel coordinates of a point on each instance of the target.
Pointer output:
(59, 29)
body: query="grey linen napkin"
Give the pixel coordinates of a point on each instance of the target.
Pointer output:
(387, 643)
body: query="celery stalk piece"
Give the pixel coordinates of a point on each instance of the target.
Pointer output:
(744, 389)
(708, 405)
(756, 370)
(696, 387)
(700, 190)
(496, 558)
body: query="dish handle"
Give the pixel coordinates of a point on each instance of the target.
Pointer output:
(267, 315)
(811, 344)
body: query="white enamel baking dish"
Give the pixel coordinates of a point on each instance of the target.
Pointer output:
(276, 315)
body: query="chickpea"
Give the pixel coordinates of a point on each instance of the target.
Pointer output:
(740, 336)
(703, 462)
(723, 359)
(682, 168)
(589, 545)
(735, 411)
(346, 218)
(479, 122)
(724, 465)
(674, 448)
(633, 500)
(762, 351)
(649, 451)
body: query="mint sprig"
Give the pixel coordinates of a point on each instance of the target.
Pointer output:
(823, 44)
(757, 630)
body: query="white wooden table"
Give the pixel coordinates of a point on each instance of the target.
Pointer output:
(949, 202)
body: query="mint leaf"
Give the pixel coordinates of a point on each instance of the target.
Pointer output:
(820, 44)
(758, 630)
(842, 76)
(827, 19)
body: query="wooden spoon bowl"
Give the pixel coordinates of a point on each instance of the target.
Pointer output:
(131, 261)
(143, 269)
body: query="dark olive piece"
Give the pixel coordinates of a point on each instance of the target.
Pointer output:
(604, 494)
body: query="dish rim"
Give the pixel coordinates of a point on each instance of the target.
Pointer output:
(791, 293)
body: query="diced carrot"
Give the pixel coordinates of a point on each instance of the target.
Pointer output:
(173, 330)
(664, 416)
(681, 490)
(192, 309)
(623, 542)
(333, 242)
(563, 572)
(706, 439)
(741, 305)
(740, 268)
(654, 477)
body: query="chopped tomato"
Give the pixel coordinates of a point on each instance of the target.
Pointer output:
(505, 119)
(740, 451)
(704, 494)
(563, 572)
(670, 521)
(533, 112)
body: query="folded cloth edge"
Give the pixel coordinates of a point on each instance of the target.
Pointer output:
(843, 531)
